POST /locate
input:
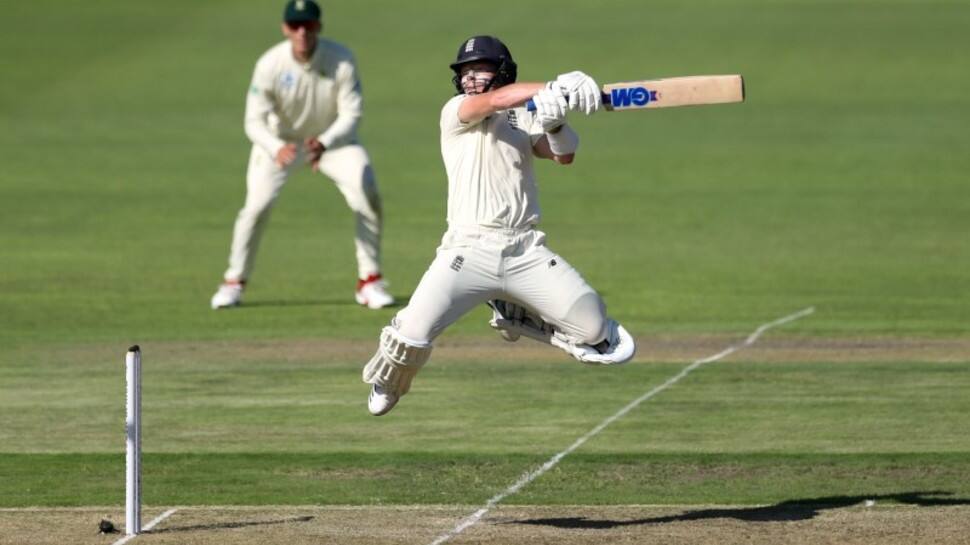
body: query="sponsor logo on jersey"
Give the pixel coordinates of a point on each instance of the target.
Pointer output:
(637, 96)
(513, 119)
(287, 80)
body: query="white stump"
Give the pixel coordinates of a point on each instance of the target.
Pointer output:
(133, 442)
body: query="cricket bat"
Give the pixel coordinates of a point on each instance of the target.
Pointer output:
(670, 92)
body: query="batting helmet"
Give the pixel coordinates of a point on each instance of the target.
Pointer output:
(485, 49)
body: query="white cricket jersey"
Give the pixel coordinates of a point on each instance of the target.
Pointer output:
(491, 180)
(289, 101)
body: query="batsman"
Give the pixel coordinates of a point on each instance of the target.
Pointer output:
(492, 251)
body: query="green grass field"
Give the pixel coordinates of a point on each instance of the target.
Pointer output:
(841, 184)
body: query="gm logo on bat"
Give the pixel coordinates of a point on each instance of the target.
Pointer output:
(637, 96)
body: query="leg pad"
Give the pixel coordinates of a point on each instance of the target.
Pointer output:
(512, 321)
(396, 362)
(617, 348)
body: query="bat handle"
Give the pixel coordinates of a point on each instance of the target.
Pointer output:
(531, 106)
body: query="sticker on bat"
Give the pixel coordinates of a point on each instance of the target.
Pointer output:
(638, 96)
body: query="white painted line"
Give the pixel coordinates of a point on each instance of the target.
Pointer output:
(527, 478)
(160, 518)
(147, 527)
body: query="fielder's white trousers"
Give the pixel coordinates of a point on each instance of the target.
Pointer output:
(349, 168)
(476, 264)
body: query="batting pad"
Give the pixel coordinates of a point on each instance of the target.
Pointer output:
(512, 321)
(620, 347)
(396, 362)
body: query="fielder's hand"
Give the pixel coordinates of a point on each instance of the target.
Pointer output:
(286, 155)
(314, 150)
(583, 92)
(550, 108)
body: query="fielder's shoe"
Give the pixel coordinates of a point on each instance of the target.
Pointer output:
(228, 295)
(372, 292)
(380, 401)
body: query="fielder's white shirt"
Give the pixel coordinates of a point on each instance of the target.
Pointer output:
(491, 180)
(289, 101)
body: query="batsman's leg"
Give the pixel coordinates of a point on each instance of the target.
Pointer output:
(561, 308)
(457, 280)
(393, 367)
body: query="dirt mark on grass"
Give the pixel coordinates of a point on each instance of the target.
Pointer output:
(850, 522)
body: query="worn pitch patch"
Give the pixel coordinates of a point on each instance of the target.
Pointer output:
(887, 524)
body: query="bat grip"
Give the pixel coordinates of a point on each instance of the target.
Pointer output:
(531, 106)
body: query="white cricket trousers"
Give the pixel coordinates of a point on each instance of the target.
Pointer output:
(348, 167)
(476, 264)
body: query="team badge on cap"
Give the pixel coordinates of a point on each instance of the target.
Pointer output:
(298, 11)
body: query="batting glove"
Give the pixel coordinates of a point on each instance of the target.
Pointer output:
(583, 92)
(551, 108)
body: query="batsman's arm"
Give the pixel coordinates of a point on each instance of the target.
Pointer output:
(560, 145)
(477, 107)
(543, 149)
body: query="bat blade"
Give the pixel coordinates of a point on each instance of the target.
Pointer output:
(670, 92)
(673, 92)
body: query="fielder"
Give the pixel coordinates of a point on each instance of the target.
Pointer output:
(492, 251)
(303, 106)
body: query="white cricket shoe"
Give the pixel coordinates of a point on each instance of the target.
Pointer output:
(228, 295)
(372, 292)
(380, 401)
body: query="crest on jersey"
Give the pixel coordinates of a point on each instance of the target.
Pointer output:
(457, 263)
(287, 80)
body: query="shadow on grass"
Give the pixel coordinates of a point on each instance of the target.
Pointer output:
(785, 511)
(227, 525)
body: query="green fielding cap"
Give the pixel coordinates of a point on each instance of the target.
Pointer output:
(298, 11)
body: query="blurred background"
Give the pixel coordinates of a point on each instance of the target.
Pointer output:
(840, 183)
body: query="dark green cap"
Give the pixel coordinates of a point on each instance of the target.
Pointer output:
(299, 11)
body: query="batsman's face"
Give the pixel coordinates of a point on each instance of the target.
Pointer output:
(475, 77)
(302, 36)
